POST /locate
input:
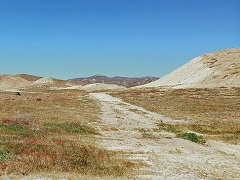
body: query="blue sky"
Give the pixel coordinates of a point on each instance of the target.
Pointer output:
(77, 38)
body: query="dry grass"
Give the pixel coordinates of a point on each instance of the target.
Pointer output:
(46, 132)
(213, 112)
(60, 106)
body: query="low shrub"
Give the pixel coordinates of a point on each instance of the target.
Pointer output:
(192, 137)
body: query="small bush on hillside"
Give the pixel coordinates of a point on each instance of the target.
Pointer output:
(192, 137)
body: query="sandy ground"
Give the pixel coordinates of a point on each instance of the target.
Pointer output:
(128, 128)
(101, 86)
(92, 87)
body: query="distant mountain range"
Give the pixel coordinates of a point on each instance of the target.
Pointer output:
(121, 81)
(16, 81)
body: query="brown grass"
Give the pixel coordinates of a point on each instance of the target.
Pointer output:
(49, 106)
(214, 112)
(46, 132)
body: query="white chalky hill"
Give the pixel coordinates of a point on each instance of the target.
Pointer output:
(215, 69)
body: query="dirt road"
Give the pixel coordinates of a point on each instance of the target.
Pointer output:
(131, 129)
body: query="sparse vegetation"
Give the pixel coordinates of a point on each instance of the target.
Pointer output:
(69, 128)
(4, 154)
(192, 137)
(212, 112)
(168, 127)
(52, 135)
(179, 131)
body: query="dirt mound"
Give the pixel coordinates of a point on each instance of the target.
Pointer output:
(215, 69)
(43, 81)
(12, 82)
(49, 82)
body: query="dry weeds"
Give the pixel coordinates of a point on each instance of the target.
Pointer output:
(212, 112)
(48, 131)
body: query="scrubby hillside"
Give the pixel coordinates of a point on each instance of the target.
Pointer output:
(120, 81)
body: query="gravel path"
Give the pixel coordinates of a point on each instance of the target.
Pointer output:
(128, 128)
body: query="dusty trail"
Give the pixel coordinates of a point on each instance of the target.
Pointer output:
(128, 128)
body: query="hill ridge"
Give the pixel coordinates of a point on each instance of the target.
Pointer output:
(214, 69)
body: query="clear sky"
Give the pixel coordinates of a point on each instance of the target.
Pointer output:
(78, 38)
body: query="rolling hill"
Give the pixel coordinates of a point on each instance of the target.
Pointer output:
(120, 81)
(214, 69)
(11, 82)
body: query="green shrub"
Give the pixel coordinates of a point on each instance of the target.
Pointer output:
(192, 137)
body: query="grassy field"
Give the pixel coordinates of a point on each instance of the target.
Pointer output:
(215, 113)
(48, 131)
